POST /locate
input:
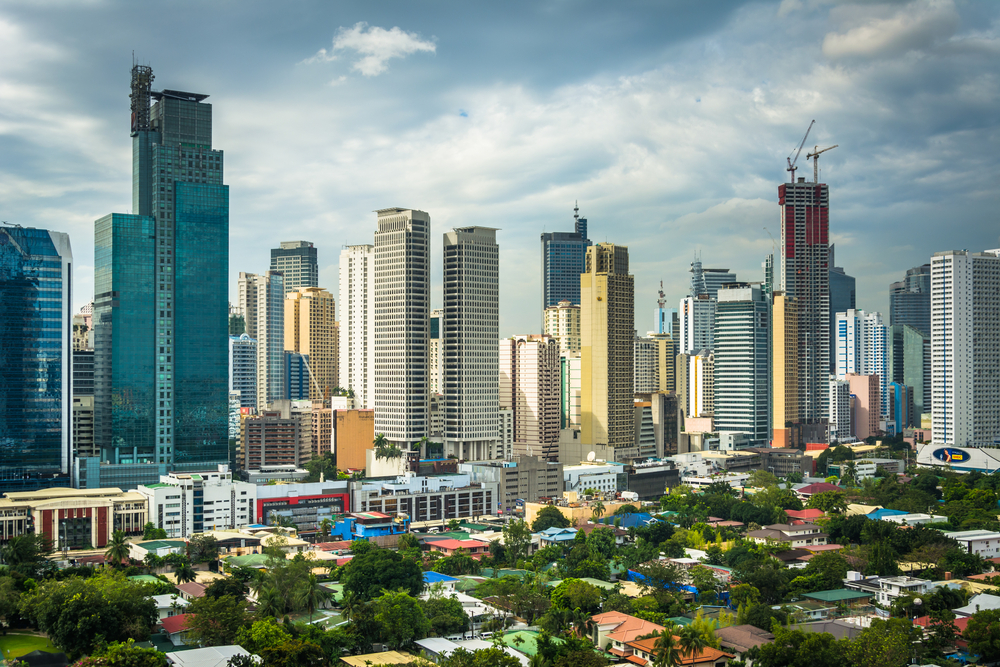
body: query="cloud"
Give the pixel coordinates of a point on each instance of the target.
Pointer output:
(915, 26)
(376, 46)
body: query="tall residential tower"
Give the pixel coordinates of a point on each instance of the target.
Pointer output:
(357, 323)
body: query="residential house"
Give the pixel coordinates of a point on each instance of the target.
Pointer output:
(554, 535)
(985, 543)
(210, 656)
(450, 547)
(613, 630)
(738, 639)
(981, 602)
(809, 490)
(437, 579)
(808, 610)
(191, 590)
(139, 550)
(801, 535)
(168, 605)
(645, 650)
(176, 628)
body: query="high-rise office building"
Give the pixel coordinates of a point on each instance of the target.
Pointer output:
(563, 260)
(607, 324)
(402, 318)
(83, 404)
(243, 369)
(901, 405)
(697, 323)
(471, 331)
(530, 389)
(311, 330)
(36, 358)
(700, 384)
(297, 379)
(742, 376)
(909, 353)
(841, 427)
(965, 347)
(357, 323)
(863, 349)
(570, 387)
(262, 298)
(910, 300)
(298, 263)
(562, 322)
(784, 371)
(437, 352)
(805, 276)
(706, 282)
(645, 365)
(666, 359)
(843, 297)
(161, 287)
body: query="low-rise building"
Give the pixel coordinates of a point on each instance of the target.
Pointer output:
(600, 475)
(653, 479)
(160, 548)
(888, 589)
(985, 543)
(525, 478)
(305, 504)
(793, 535)
(435, 498)
(187, 503)
(169, 605)
(73, 518)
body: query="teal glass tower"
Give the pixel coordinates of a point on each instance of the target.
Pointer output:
(35, 358)
(161, 294)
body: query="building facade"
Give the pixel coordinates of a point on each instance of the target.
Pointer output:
(471, 330)
(697, 323)
(36, 358)
(311, 330)
(262, 298)
(426, 498)
(784, 370)
(436, 352)
(243, 369)
(841, 426)
(160, 358)
(353, 436)
(909, 354)
(525, 478)
(867, 392)
(843, 297)
(863, 348)
(297, 262)
(742, 371)
(530, 389)
(562, 322)
(402, 316)
(72, 518)
(570, 388)
(563, 260)
(357, 323)
(645, 366)
(805, 276)
(910, 300)
(184, 504)
(608, 330)
(965, 348)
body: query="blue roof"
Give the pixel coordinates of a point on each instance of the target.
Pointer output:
(630, 520)
(877, 515)
(552, 530)
(437, 578)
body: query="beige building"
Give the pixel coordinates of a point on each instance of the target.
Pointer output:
(607, 326)
(785, 370)
(529, 387)
(666, 359)
(701, 384)
(311, 328)
(562, 322)
(353, 436)
(83, 426)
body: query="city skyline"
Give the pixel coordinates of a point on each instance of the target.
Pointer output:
(911, 133)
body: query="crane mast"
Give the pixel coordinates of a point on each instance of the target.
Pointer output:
(791, 161)
(815, 158)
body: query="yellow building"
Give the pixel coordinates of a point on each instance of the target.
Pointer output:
(562, 322)
(353, 436)
(785, 370)
(666, 353)
(311, 328)
(607, 327)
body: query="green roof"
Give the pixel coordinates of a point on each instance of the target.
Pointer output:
(838, 595)
(156, 545)
(338, 590)
(145, 579)
(475, 526)
(158, 485)
(449, 535)
(488, 573)
(680, 620)
(250, 560)
(528, 641)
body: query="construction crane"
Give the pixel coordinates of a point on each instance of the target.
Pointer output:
(791, 162)
(815, 158)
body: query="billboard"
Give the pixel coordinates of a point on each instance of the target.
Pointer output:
(961, 458)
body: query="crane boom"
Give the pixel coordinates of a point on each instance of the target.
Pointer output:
(791, 162)
(815, 158)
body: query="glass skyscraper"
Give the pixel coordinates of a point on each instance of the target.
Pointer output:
(298, 262)
(843, 297)
(35, 358)
(564, 258)
(910, 300)
(161, 293)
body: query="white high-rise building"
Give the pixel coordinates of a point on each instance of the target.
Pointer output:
(965, 348)
(262, 298)
(840, 411)
(645, 365)
(471, 330)
(357, 323)
(742, 375)
(243, 369)
(402, 318)
(562, 322)
(697, 320)
(862, 349)
(701, 384)
(530, 388)
(437, 352)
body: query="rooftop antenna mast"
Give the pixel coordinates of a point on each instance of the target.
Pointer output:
(662, 301)
(576, 210)
(791, 162)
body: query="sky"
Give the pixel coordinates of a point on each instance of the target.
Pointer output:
(669, 122)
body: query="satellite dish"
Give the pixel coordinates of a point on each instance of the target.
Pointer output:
(591, 456)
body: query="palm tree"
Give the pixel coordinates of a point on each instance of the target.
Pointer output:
(270, 603)
(667, 653)
(349, 605)
(691, 641)
(598, 509)
(324, 528)
(384, 449)
(582, 623)
(185, 573)
(117, 553)
(312, 596)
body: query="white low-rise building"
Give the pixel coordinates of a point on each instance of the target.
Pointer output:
(169, 605)
(733, 479)
(915, 519)
(891, 588)
(985, 543)
(598, 475)
(186, 503)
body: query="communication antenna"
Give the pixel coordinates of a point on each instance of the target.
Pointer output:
(591, 456)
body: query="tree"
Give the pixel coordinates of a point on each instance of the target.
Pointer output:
(796, 648)
(385, 449)
(124, 654)
(400, 618)
(983, 634)
(626, 509)
(25, 554)
(576, 594)
(311, 596)
(549, 517)
(294, 653)
(185, 573)
(10, 600)
(516, 541)
(151, 532)
(325, 465)
(667, 653)
(446, 615)
(601, 543)
(829, 501)
(262, 634)
(690, 641)
(743, 595)
(597, 510)
(203, 549)
(486, 657)
(227, 586)
(883, 644)
(217, 621)
(78, 613)
(762, 479)
(367, 574)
